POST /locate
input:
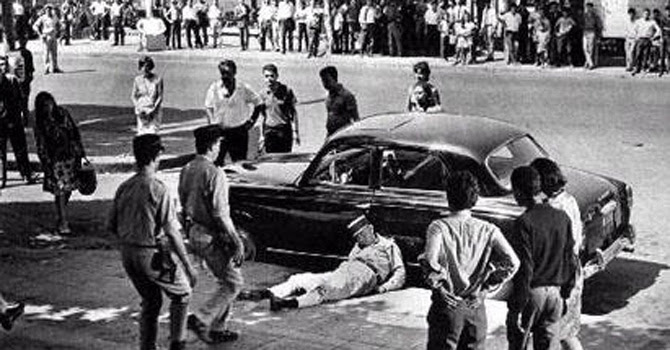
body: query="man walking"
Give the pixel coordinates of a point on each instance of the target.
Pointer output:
(340, 103)
(144, 219)
(548, 266)
(592, 31)
(464, 259)
(203, 193)
(280, 124)
(47, 27)
(11, 123)
(228, 103)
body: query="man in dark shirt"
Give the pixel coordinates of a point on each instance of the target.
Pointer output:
(340, 103)
(544, 244)
(28, 73)
(11, 123)
(280, 124)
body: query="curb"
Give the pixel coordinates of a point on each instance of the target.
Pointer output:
(110, 164)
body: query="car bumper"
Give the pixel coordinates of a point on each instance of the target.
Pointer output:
(625, 242)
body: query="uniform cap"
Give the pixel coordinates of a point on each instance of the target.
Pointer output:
(356, 226)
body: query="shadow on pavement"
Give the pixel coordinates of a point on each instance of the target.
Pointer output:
(606, 335)
(109, 130)
(24, 222)
(623, 278)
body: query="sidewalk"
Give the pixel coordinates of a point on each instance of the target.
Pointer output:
(230, 49)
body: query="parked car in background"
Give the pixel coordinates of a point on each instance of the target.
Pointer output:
(395, 167)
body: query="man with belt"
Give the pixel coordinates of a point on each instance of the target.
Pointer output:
(464, 259)
(144, 220)
(228, 103)
(47, 27)
(374, 265)
(280, 124)
(646, 31)
(203, 192)
(543, 240)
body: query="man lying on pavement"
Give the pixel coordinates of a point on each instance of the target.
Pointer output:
(374, 265)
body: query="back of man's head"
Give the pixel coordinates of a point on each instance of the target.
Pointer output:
(206, 137)
(146, 148)
(328, 71)
(526, 182)
(462, 190)
(551, 176)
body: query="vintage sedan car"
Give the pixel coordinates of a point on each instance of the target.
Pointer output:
(395, 166)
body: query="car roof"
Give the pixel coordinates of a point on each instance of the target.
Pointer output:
(471, 136)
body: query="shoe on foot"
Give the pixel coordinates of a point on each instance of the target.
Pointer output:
(276, 303)
(198, 327)
(223, 336)
(10, 315)
(178, 345)
(254, 294)
(57, 71)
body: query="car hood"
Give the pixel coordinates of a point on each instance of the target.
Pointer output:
(588, 188)
(273, 169)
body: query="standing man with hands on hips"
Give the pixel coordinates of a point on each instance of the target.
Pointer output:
(235, 107)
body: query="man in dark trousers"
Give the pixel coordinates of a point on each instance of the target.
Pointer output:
(11, 123)
(26, 75)
(340, 103)
(144, 220)
(203, 193)
(235, 107)
(465, 258)
(280, 125)
(544, 244)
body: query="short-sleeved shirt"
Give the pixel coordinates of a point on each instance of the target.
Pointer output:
(203, 192)
(412, 103)
(279, 106)
(342, 109)
(18, 9)
(512, 21)
(564, 26)
(231, 111)
(465, 244)
(46, 25)
(142, 207)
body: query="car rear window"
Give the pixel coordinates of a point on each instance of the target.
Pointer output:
(516, 153)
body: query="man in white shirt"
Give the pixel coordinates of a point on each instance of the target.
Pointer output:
(266, 15)
(228, 103)
(98, 9)
(630, 39)
(285, 12)
(512, 21)
(116, 12)
(191, 25)
(646, 30)
(367, 18)
(489, 24)
(214, 16)
(431, 17)
(47, 27)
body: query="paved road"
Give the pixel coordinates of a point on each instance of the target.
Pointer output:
(608, 123)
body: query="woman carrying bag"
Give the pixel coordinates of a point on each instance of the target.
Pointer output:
(60, 151)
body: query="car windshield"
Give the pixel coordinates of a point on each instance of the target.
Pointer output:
(516, 153)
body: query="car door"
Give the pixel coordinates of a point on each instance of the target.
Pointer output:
(327, 199)
(411, 194)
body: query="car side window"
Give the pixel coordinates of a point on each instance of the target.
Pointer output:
(345, 166)
(412, 169)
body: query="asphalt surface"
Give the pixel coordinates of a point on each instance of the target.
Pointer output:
(603, 121)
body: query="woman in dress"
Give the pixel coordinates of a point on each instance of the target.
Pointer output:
(60, 151)
(553, 186)
(147, 97)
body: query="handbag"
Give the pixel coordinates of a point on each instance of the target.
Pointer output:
(88, 180)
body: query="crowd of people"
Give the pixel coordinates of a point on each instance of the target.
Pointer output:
(548, 35)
